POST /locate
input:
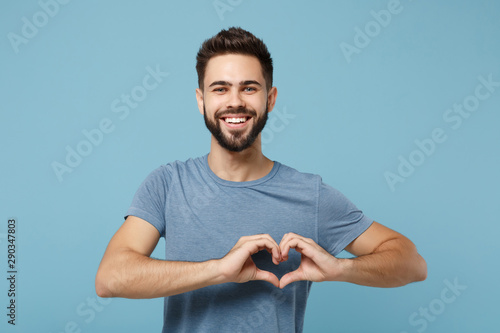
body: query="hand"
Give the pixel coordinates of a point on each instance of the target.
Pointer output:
(316, 264)
(237, 265)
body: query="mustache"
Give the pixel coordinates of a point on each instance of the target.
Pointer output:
(240, 110)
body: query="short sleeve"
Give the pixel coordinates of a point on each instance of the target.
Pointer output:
(339, 221)
(150, 199)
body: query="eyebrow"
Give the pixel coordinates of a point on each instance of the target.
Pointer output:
(242, 83)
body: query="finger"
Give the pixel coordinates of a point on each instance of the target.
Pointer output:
(267, 276)
(289, 237)
(299, 244)
(288, 242)
(261, 243)
(265, 242)
(284, 249)
(286, 237)
(276, 258)
(290, 277)
(275, 250)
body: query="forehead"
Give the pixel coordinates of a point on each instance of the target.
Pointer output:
(233, 68)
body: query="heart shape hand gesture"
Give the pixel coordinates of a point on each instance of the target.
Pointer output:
(316, 263)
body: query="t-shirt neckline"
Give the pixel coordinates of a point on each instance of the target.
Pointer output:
(224, 182)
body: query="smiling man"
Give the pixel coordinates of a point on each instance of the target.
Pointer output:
(245, 236)
(238, 120)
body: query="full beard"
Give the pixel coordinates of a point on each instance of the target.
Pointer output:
(236, 141)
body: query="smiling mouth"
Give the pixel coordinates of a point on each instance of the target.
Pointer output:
(236, 120)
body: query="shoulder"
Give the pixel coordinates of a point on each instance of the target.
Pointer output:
(176, 167)
(292, 176)
(189, 164)
(167, 173)
(310, 180)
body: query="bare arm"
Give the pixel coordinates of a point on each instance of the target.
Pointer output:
(385, 259)
(126, 270)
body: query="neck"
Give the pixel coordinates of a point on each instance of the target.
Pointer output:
(249, 164)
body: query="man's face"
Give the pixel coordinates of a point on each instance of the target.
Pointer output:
(235, 101)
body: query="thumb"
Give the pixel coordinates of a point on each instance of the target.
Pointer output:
(267, 276)
(290, 277)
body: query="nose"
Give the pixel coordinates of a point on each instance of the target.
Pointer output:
(234, 100)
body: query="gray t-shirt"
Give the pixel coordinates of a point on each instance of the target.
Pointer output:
(202, 216)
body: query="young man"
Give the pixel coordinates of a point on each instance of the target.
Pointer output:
(245, 236)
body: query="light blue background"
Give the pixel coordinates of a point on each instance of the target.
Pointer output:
(351, 121)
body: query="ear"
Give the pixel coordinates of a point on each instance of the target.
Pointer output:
(271, 98)
(199, 99)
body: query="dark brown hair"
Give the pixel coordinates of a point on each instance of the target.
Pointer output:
(234, 41)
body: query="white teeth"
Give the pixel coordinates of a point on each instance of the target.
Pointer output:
(235, 120)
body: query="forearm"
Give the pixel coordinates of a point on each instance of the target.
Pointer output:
(394, 263)
(132, 275)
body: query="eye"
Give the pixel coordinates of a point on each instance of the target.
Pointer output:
(219, 90)
(249, 89)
